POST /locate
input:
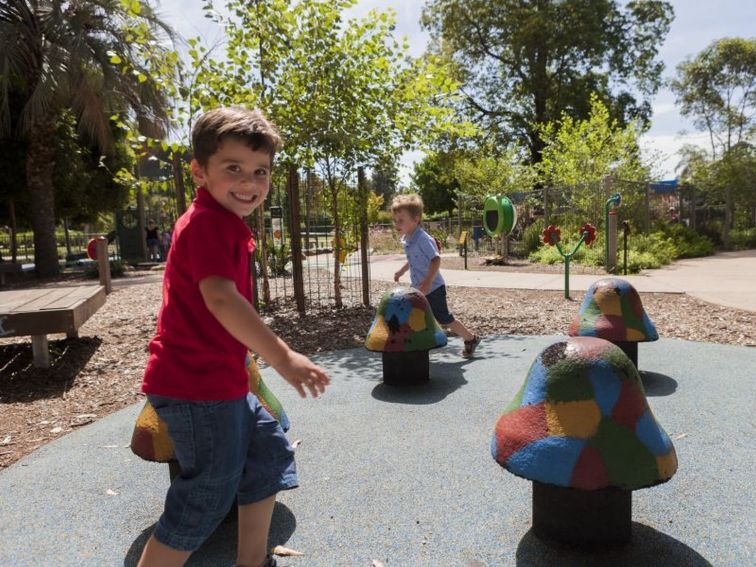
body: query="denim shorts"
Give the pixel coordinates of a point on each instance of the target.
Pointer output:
(225, 449)
(437, 301)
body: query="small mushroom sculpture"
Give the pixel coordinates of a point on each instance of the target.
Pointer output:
(151, 441)
(612, 310)
(404, 330)
(581, 429)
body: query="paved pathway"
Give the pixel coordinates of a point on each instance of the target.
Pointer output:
(727, 279)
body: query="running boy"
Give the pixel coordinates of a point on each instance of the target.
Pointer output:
(226, 445)
(423, 263)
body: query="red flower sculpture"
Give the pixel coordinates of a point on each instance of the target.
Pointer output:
(591, 230)
(551, 235)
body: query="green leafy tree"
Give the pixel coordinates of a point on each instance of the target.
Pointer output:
(385, 180)
(344, 93)
(491, 172)
(92, 58)
(434, 179)
(580, 156)
(525, 64)
(717, 89)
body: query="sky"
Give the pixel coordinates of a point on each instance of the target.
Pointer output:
(697, 23)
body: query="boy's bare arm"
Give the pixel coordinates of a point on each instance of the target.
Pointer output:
(433, 268)
(401, 271)
(241, 320)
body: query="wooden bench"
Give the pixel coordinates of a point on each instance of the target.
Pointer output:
(39, 312)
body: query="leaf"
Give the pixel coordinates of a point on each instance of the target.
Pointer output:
(110, 492)
(282, 551)
(296, 443)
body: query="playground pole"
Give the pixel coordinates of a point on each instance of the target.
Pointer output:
(613, 200)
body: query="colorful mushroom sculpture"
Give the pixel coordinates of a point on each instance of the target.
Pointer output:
(151, 441)
(612, 310)
(404, 330)
(581, 429)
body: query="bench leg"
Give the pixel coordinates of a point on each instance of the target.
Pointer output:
(40, 351)
(72, 334)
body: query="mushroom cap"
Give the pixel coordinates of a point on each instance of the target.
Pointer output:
(404, 322)
(581, 420)
(612, 310)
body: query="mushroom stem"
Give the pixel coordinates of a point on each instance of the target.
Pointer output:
(630, 348)
(581, 517)
(406, 368)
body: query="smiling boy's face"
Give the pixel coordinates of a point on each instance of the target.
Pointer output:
(236, 176)
(404, 222)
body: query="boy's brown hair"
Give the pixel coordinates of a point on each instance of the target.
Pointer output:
(250, 127)
(412, 203)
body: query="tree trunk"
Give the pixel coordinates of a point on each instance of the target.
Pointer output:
(295, 233)
(40, 163)
(728, 217)
(178, 180)
(336, 248)
(262, 244)
(140, 222)
(364, 236)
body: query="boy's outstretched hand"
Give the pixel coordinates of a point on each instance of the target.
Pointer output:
(301, 372)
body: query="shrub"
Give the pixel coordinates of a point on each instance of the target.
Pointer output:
(592, 255)
(687, 242)
(531, 239)
(440, 234)
(637, 261)
(743, 239)
(711, 230)
(278, 257)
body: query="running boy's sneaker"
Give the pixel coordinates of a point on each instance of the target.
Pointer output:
(470, 347)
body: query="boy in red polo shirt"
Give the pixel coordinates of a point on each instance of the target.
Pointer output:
(226, 444)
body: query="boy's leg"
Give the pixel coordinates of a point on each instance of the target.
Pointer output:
(437, 301)
(209, 442)
(460, 330)
(156, 554)
(269, 469)
(254, 525)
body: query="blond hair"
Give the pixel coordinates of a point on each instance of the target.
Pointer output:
(412, 203)
(250, 127)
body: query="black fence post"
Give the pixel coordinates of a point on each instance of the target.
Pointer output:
(625, 232)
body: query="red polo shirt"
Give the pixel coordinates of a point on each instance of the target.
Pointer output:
(192, 356)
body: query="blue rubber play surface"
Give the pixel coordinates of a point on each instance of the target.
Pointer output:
(405, 476)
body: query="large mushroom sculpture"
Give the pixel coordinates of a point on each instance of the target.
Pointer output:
(404, 330)
(612, 310)
(581, 429)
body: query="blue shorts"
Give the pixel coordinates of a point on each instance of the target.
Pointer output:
(437, 301)
(225, 449)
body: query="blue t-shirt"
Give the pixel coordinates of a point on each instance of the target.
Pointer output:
(420, 249)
